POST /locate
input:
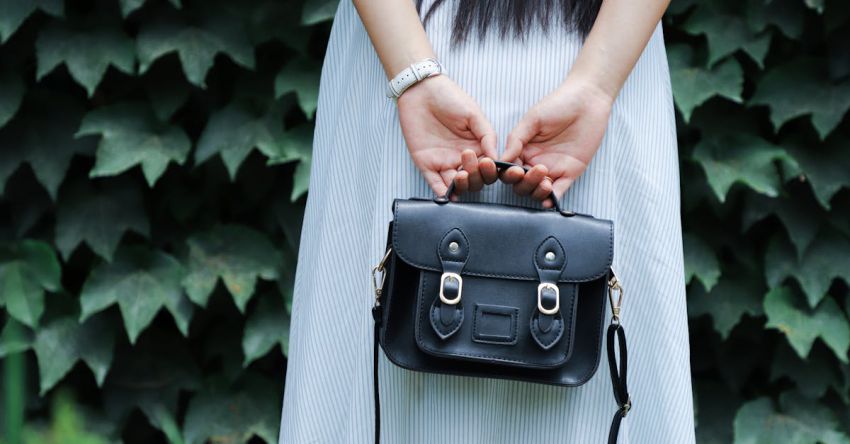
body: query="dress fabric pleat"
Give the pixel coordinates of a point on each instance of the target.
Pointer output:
(360, 164)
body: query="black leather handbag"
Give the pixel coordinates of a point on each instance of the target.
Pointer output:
(498, 291)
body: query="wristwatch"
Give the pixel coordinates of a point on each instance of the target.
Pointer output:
(412, 74)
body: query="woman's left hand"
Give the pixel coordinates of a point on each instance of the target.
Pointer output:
(557, 137)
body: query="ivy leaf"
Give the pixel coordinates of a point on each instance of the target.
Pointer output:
(99, 217)
(236, 254)
(196, 44)
(43, 136)
(141, 282)
(14, 12)
(151, 376)
(300, 76)
(15, 338)
(700, 262)
(813, 375)
(267, 326)
(318, 11)
(823, 261)
(801, 217)
(726, 32)
(132, 135)
(86, 52)
(786, 15)
(27, 269)
(233, 131)
(715, 406)
(297, 144)
(693, 85)
(234, 415)
(128, 6)
(740, 158)
(60, 343)
(11, 95)
(817, 5)
(726, 303)
(826, 166)
(801, 421)
(803, 87)
(802, 325)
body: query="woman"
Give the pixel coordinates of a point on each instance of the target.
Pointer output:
(583, 98)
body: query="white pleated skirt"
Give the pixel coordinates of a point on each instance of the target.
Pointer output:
(360, 163)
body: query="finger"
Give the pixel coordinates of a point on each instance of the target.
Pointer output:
(531, 180)
(484, 132)
(461, 182)
(561, 186)
(470, 165)
(513, 175)
(489, 172)
(543, 190)
(519, 137)
(436, 182)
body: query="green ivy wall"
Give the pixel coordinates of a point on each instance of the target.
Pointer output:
(154, 161)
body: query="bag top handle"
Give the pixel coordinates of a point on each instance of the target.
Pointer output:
(501, 166)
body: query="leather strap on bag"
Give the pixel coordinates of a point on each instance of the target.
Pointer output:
(615, 333)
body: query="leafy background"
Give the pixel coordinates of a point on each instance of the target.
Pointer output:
(154, 160)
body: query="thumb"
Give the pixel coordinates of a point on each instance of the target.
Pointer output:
(522, 133)
(436, 182)
(484, 132)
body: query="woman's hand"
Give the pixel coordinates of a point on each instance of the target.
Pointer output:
(557, 137)
(444, 129)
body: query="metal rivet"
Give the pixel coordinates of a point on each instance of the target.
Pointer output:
(453, 247)
(550, 256)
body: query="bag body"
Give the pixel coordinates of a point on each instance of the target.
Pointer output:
(498, 291)
(503, 255)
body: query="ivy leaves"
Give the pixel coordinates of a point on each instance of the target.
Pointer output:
(14, 12)
(802, 87)
(764, 108)
(27, 270)
(800, 421)
(132, 135)
(693, 85)
(801, 325)
(117, 223)
(237, 255)
(141, 282)
(87, 52)
(195, 44)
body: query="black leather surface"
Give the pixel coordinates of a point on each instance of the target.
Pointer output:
(518, 294)
(502, 240)
(500, 271)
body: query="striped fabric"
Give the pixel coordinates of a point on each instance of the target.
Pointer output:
(360, 164)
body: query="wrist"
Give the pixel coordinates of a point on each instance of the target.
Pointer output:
(592, 88)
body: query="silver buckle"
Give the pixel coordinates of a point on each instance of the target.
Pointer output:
(548, 311)
(459, 279)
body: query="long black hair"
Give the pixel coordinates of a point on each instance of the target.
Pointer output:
(516, 17)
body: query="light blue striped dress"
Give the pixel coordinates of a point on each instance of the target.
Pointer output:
(360, 164)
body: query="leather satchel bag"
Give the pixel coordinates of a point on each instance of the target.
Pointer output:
(497, 291)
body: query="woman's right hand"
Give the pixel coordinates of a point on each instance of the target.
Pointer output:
(444, 129)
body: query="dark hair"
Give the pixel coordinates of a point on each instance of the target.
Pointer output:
(516, 17)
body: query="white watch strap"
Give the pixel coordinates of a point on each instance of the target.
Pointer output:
(412, 74)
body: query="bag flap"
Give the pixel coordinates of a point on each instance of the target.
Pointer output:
(502, 239)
